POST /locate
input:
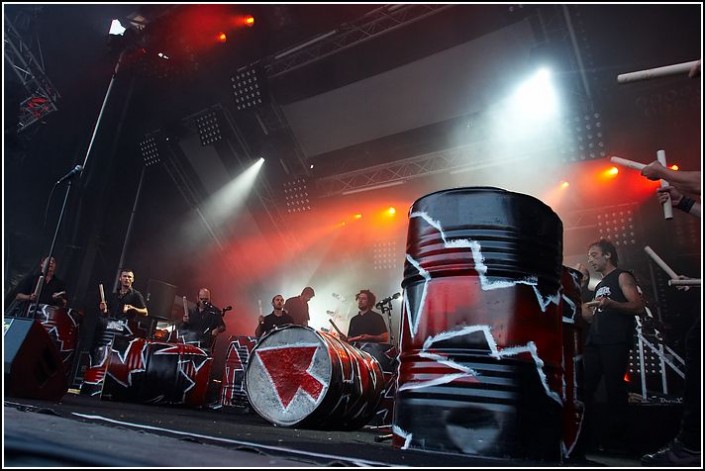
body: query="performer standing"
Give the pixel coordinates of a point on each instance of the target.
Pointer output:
(126, 302)
(205, 321)
(367, 325)
(612, 325)
(297, 307)
(276, 318)
(53, 293)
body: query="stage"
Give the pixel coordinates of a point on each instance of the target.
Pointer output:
(84, 431)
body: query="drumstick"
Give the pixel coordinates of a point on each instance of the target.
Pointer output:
(627, 163)
(183, 298)
(593, 303)
(667, 207)
(40, 283)
(646, 74)
(691, 282)
(659, 261)
(102, 293)
(337, 329)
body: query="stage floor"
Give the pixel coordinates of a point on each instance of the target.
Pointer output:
(84, 431)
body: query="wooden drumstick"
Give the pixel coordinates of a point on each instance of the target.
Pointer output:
(183, 298)
(593, 303)
(659, 261)
(102, 292)
(627, 163)
(337, 329)
(646, 74)
(689, 282)
(667, 207)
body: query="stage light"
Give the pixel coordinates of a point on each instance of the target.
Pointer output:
(222, 37)
(391, 211)
(357, 216)
(584, 139)
(674, 167)
(248, 89)
(249, 21)
(565, 185)
(296, 196)
(116, 28)
(149, 150)
(208, 128)
(617, 226)
(385, 256)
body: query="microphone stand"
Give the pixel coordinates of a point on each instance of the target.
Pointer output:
(45, 266)
(386, 307)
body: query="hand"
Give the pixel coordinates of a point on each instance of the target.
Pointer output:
(683, 287)
(663, 194)
(654, 171)
(695, 70)
(185, 318)
(214, 332)
(260, 319)
(103, 307)
(585, 272)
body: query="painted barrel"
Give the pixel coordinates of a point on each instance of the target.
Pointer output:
(387, 355)
(232, 392)
(140, 370)
(62, 325)
(480, 355)
(573, 402)
(300, 377)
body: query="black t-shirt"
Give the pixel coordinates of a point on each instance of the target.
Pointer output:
(297, 309)
(271, 321)
(611, 326)
(202, 322)
(371, 323)
(117, 302)
(55, 285)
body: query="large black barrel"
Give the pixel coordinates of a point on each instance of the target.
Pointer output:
(481, 349)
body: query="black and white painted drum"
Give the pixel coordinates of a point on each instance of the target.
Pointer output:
(300, 377)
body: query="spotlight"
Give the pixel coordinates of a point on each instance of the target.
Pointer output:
(617, 226)
(247, 89)
(296, 196)
(116, 28)
(149, 150)
(208, 128)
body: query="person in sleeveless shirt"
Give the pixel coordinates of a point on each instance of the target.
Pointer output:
(611, 315)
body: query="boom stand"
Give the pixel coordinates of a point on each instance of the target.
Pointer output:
(386, 307)
(45, 266)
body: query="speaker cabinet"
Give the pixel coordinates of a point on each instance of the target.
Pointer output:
(33, 366)
(160, 299)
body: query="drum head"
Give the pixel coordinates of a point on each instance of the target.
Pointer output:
(288, 375)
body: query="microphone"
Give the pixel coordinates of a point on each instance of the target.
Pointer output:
(76, 170)
(388, 300)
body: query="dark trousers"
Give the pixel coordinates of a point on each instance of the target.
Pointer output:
(610, 362)
(689, 433)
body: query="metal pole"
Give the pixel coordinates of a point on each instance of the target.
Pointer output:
(129, 230)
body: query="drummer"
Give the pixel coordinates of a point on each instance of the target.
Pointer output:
(277, 318)
(53, 293)
(126, 302)
(367, 325)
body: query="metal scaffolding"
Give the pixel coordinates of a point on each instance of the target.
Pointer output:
(42, 96)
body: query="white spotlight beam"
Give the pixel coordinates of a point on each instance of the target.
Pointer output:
(226, 202)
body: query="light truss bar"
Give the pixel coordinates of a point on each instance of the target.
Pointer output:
(376, 22)
(42, 94)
